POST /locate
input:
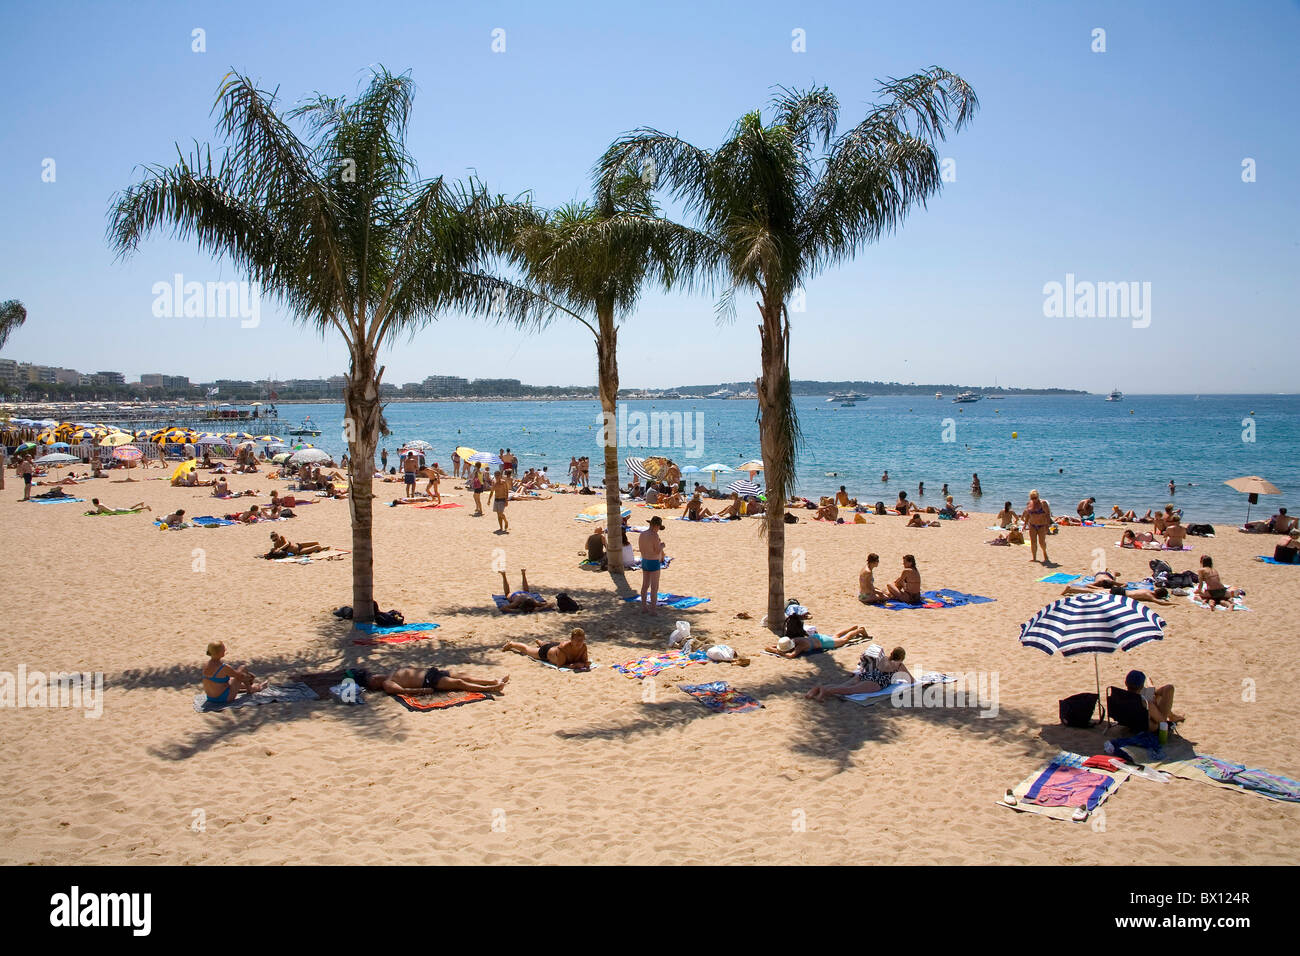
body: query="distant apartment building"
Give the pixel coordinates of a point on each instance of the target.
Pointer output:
(151, 380)
(176, 382)
(8, 372)
(445, 385)
(496, 386)
(413, 389)
(109, 378)
(36, 374)
(67, 376)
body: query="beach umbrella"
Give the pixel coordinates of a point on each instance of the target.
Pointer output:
(745, 487)
(752, 465)
(598, 512)
(58, 458)
(280, 458)
(308, 455)
(486, 458)
(637, 467)
(714, 470)
(1253, 486)
(25, 447)
(417, 445)
(658, 466)
(212, 440)
(60, 444)
(1094, 624)
(114, 439)
(466, 453)
(690, 470)
(274, 439)
(127, 453)
(184, 467)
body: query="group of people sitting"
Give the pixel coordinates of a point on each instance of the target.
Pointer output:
(906, 587)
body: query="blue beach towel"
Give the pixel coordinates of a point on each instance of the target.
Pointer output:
(501, 601)
(943, 597)
(1269, 560)
(53, 501)
(1060, 577)
(678, 602)
(370, 628)
(208, 521)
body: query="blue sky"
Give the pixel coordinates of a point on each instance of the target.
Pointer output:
(1115, 166)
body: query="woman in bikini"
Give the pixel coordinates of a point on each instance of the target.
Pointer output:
(1037, 518)
(223, 683)
(282, 547)
(907, 588)
(873, 674)
(868, 593)
(571, 653)
(1209, 587)
(800, 639)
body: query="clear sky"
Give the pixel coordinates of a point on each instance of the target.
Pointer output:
(1123, 165)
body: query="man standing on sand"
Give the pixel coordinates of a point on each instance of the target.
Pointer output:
(383, 460)
(409, 467)
(652, 561)
(26, 470)
(500, 498)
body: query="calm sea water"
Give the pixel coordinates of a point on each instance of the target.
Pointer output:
(1069, 448)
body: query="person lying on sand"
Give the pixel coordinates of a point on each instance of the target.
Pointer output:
(571, 653)
(282, 547)
(1158, 596)
(412, 681)
(794, 644)
(907, 587)
(916, 521)
(521, 601)
(101, 510)
(1117, 515)
(253, 514)
(732, 509)
(1131, 540)
(873, 673)
(868, 593)
(223, 683)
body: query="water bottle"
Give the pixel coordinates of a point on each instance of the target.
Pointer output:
(1164, 732)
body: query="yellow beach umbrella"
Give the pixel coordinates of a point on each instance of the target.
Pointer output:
(114, 439)
(466, 452)
(184, 467)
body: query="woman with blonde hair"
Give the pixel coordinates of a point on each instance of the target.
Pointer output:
(220, 679)
(1037, 519)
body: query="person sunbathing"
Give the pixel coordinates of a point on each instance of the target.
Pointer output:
(1175, 534)
(1158, 596)
(907, 587)
(1210, 588)
(282, 547)
(176, 519)
(414, 681)
(221, 489)
(101, 510)
(950, 510)
(733, 507)
(902, 506)
(223, 683)
(571, 653)
(253, 514)
(800, 639)
(1146, 518)
(1131, 540)
(873, 673)
(1006, 517)
(671, 500)
(916, 521)
(827, 510)
(1287, 550)
(1159, 700)
(522, 601)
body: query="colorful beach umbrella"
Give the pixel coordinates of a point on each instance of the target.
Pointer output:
(127, 453)
(752, 465)
(637, 467)
(308, 455)
(184, 467)
(486, 458)
(466, 453)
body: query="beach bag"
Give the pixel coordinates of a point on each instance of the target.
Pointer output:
(1077, 711)
(681, 634)
(790, 519)
(1159, 567)
(1201, 530)
(721, 653)
(388, 618)
(566, 605)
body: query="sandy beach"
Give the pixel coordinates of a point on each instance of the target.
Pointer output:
(595, 768)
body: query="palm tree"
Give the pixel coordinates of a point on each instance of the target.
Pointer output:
(12, 315)
(591, 262)
(785, 201)
(339, 228)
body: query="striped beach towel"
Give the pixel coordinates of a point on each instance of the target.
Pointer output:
(654, 664)
(678, 602)
(722, 699)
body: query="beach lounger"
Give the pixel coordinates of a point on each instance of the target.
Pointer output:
(678, 602)
(1064, 788)
(718, 697)
(275, 694)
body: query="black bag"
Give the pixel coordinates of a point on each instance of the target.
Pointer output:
(1157, 567)
(1201, 530)
(566, 605)
(1077, 711)
(1181, 579)
(790, 519)
(388, 618)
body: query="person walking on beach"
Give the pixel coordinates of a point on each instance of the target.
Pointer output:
(501, 497)
(652, 561)
(1037, 518)
(26, 469)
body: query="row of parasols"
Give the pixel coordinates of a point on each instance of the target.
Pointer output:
(659, 469)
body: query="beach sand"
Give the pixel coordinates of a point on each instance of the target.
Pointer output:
(593, 768)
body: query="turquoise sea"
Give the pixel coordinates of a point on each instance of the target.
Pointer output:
(1067, 447)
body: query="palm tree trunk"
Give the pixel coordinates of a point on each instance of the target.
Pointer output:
(363, 411)
(607, 370)
(772, 440)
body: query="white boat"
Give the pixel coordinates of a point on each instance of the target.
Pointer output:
(938, 395)
(847, 399)
(1115, 395)
(965, 398)
(722, 393)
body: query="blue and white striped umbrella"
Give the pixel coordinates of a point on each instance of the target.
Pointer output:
(637, 467)
(745, 488)
(1098, 623)
(486, 458)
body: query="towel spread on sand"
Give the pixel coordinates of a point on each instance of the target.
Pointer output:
(712, 518)
(678, 602)
(275, 694)
(903, 687)
(440, 701)
(398, 634)
(114, 511)
(721, 699)
(445, 504)
(1060, 577)
(943, 597)
(566, 670)
(653, 664)
(1238, 603)
(1063, 786)
(1180, 760)
(501, 601)
(51, 501)
(1268, 559)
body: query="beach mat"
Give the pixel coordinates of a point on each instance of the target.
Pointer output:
(1179, 759)
(54, 501)
(1060, 577)
(928, 678)
(653, 664)
(1271, 560)
(720, 698)
(398, 634)
(440, 701)
(1064, 785)
(275, 694)
(500, 600)
(1238, 604)
(445, 504)
(678, 602)
(113, 511)
(943, 597)
(566, 670)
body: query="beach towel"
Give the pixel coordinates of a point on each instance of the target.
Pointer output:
(113, 511)
(1060, 577)
(1180, 760)
(678, 602)
(445, 504)
(708, 520)
(1063, 786)
(653, 664)
(398, 634)
(903, 687)
(567, 670)
(275, 694)
(721, 699)
(53, 501)
(943, 597)
(440, 701)
(1267, 559)
(501, 601)
(355, 695)
(1238, 603)
(208, 521)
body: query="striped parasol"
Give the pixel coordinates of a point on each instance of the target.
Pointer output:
(486, 458)
(1092, 624)
(745, 488)
(637, 467)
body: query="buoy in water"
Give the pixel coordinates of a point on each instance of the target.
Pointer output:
(1015, 434)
